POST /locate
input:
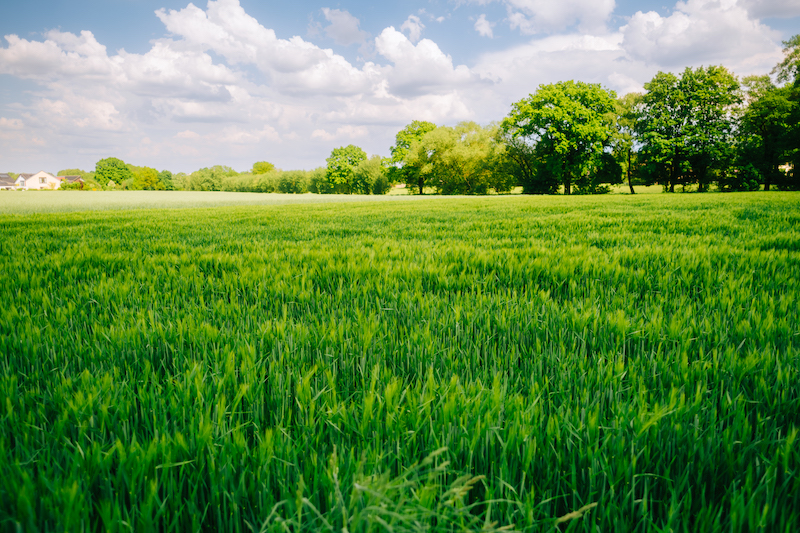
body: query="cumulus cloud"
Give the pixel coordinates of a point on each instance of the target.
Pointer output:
(343, 28)
(771, 8)
(545, 16)
(414, 26)
(701, 32)
(484, 27)
(197, 83)
(519, 70)
(343, 132)
(293, 64)
(11, 124)
(60, 55)
(72, 111)
(420, 68)
(219, 86)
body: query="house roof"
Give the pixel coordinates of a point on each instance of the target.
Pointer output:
(25, 176)
(70, 179)
(6, 180)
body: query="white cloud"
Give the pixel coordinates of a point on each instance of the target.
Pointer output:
(343, 132)
(484, 27)
(352, 132)
(238, 135)
(624, 84)
(344, 27)
(422, 68)
(518, 71)
(771, 8)
(702, 32)
(60, 55)
(221, 88)
(11, 124)
(414, 26)
(322, 134)
(547, 16)
(72, 111)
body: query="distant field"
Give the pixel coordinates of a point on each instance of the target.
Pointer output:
(618, 363)
(24, 202)
(62, 201)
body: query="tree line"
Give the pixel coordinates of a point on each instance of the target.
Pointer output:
(695, 130)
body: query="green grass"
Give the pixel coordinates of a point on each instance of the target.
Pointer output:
(626, 363)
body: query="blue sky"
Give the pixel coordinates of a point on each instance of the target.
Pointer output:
(181, 86)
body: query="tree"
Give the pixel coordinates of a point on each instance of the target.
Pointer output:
(262, 167)
(624, 139)
(568, 124)
(210, 179)
(370, 176)
(72, 172)
(685, 125)
(764, 129)
(401, 171)
(711, 94)
(460, 160)
(112, 169)
(524, 168)
(165, 178)
(146, 178)
(788, 70)
(342, 164)
(181, 181)
(318, 181)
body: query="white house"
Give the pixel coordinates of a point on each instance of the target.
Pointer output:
(43, 180)
(40, 180)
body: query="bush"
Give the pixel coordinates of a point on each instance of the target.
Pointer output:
(742, 178)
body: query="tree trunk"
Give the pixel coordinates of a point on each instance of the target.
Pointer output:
(673, 172)
(628, 172)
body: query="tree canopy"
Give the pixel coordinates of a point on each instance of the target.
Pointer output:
(112, 169)
(146, 178)
(460, 160)
(342, 164)
(569, 125)
(403, 170)
(262, 167)
(685, 125)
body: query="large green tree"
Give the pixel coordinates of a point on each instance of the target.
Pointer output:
(262, 167)
(685, 126)
(569, 126)
(146, 178)
(112, 169)
(788, 71)
(165, 177)
(765, 129)
(402, 170)
(370, 176)
(460, 160)
(342, 164)
(210, 179)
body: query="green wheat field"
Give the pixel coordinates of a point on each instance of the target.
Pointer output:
(620, 363)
